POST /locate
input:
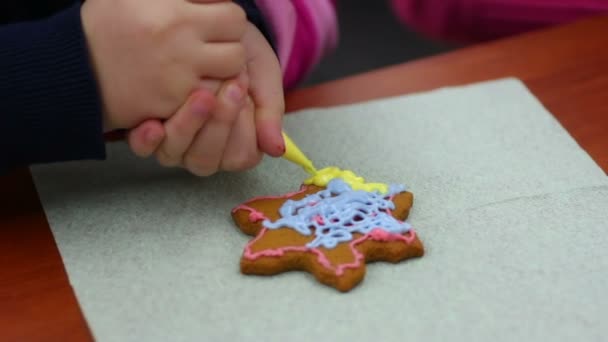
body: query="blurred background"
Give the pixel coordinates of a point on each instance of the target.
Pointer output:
(371, 37)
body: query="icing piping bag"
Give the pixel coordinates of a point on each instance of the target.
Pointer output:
(296, 156)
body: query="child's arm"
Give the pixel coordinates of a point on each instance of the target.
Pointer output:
(49, 103)
(105, 66)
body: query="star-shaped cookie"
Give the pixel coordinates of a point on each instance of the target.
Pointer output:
(329, 232)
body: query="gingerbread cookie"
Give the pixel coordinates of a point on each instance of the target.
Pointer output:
(330, 228)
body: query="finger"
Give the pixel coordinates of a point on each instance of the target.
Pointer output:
(146, 138)
(242, 151)
(205, 154)
(266, 88)
(218, 21)
(219, 60)
(214, 85)
(182, 127)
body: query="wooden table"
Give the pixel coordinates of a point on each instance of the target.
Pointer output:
(565, 67)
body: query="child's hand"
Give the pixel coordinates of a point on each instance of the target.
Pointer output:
(252, 133)
(149, 55)
(207, 134)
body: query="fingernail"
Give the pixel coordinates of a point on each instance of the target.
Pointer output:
(235, 93)
(281, 148)
(279, 137)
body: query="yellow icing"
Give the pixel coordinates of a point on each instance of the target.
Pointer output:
(324, 176)
(295, 155)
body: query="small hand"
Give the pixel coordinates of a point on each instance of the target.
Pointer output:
(252, 133)
(148, 61)
(206, 134)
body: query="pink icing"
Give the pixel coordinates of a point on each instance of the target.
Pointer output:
(321, 258)
(246, 207)
(380, 234)
(255, 216)
(377, 234)
(319, 219)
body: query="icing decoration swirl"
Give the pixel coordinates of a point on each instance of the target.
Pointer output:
(334, 214)
(324, 176)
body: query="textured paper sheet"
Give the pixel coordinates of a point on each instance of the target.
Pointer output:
(512, 212)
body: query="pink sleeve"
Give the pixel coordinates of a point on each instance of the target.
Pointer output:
(304, 31)
(479, 20)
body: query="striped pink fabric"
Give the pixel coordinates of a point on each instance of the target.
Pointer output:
(305, 30)
(479, 20)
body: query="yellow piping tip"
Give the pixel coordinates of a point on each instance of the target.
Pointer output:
(296, 156)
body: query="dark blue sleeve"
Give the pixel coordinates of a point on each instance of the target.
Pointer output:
(50, 107)
(254, 15)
